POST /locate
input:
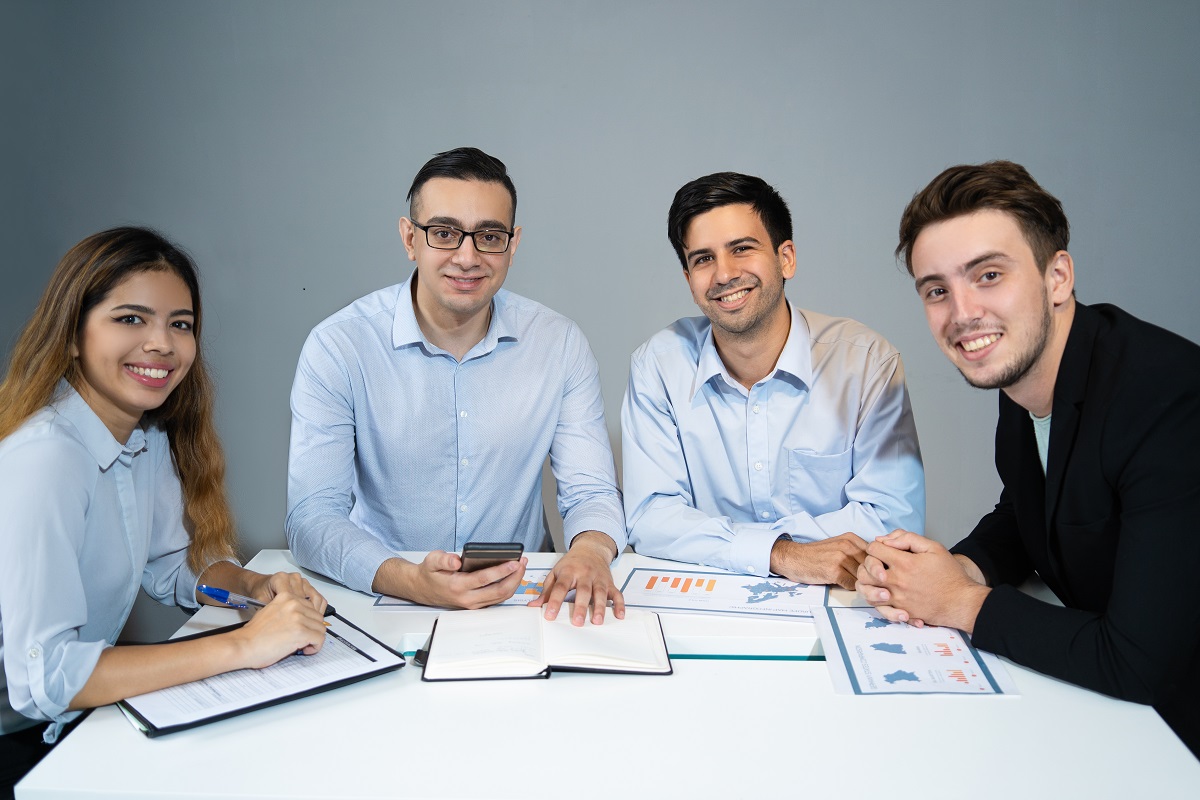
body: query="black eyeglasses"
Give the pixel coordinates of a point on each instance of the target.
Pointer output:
(447, 237)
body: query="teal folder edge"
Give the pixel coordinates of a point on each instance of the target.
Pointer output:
(153, 731)
(743, 657)
(549, 669)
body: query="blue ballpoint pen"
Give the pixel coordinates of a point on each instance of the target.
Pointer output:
(227, 597)
(235, 600)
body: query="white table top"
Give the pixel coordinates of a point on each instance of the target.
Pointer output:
(719, 727)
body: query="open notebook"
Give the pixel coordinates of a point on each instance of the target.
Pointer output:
(517, 642)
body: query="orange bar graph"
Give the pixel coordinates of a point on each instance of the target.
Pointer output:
(958, 675)
(688, 584)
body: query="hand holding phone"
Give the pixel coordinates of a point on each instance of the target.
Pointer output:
(481, 555)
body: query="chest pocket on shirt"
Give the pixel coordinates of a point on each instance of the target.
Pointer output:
(817, 482)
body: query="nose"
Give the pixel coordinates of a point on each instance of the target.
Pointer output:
(158, 339)
(727, 269)
(964, 307)
(466, 256)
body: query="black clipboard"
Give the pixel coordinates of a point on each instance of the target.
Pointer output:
(152, 730)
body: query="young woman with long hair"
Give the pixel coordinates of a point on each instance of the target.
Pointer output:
(111, 479)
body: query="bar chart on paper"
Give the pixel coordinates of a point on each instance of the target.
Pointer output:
(711, 592)
(881, 657)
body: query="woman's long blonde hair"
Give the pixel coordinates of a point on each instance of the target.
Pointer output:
(42, 357)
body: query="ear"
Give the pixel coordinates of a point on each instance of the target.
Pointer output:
(1060, 277)
(513, 242)
(787, 259)
(407, 231)
(74, 349)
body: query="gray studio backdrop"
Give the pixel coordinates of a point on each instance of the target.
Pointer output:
(276, 140)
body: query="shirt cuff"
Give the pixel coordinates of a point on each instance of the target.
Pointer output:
(363, 562)
(750, 550)
(613, 529)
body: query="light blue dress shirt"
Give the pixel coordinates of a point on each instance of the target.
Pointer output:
(715, 473)
(398, 446)
(86, 521)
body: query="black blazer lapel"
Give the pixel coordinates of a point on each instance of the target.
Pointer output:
(1070, 391)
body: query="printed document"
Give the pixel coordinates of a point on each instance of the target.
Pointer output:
(866, 654)
(717, 592)
(347, 655)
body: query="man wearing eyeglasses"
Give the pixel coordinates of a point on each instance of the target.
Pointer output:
(422, 415)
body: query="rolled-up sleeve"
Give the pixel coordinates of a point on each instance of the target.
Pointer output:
(42, 601)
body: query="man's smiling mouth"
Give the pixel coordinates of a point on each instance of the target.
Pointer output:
(972, 345)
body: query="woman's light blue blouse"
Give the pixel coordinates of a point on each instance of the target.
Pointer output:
(84, 521)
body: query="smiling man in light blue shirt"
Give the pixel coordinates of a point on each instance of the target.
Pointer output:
(763, 438)
(422, 415)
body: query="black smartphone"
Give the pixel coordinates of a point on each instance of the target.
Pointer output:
(481, 555)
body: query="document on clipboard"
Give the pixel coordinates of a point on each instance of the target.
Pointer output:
(348, 655)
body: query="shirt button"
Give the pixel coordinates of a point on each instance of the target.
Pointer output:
(765, 514)
(756, 408)
(463, 507)
(462, 414)
(758, 466)
(34, 652)
(750, 568)
(464, 462)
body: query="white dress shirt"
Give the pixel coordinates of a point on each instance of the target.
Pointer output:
(398, 446)
(715, 473)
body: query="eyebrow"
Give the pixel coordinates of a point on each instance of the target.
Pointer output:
(179, 312)
(728, 246)
(484, 225)
(991, 255)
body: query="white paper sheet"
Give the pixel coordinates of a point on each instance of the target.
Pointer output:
(716, 592)
(866, 654)
(347, 653)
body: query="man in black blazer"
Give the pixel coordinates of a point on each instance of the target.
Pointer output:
(1097, 444)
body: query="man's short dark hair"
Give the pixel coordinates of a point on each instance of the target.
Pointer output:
(999, 185)
(725, 189)
(464, 164)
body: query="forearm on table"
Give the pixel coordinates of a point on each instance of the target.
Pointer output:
(230, 576)
(679, 532)
(334, 546)
(398, 577)
(129, 670)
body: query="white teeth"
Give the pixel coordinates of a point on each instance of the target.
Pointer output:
(980, 343)
(149, 373)
(733, 298)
